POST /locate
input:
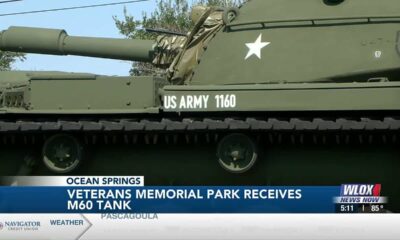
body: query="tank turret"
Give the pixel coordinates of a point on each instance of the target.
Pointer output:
(58, 42)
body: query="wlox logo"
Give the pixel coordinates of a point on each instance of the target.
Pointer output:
(361, 190)
(360, 194)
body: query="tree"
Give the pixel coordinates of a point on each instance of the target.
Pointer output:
(8, 58)
(170, 15)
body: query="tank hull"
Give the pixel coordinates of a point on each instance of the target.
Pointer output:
(68, 93)
(305, 133)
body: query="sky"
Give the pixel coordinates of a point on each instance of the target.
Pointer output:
(95, 22)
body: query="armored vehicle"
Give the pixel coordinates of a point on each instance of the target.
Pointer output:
(315, 81)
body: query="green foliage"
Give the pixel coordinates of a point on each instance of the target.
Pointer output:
(8, 58)
(173, 15)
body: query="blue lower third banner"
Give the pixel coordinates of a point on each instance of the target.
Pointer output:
(62, 199)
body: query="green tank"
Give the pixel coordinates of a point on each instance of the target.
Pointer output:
(276, 92)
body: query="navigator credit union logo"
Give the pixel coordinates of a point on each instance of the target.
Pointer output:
(360, 194)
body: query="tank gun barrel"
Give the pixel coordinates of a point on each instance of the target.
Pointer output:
(58, 42)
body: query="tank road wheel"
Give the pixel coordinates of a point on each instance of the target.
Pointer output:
(237, 153)
(62, 153)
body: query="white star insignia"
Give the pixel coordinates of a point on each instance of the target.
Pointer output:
(255, 48)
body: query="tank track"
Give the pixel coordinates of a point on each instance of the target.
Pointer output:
(346, 129)
(209, 124)
(192, 131)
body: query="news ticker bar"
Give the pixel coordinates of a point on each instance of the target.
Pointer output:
(179, 200)
(192, 199)
(199, 226)
(128, 194)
